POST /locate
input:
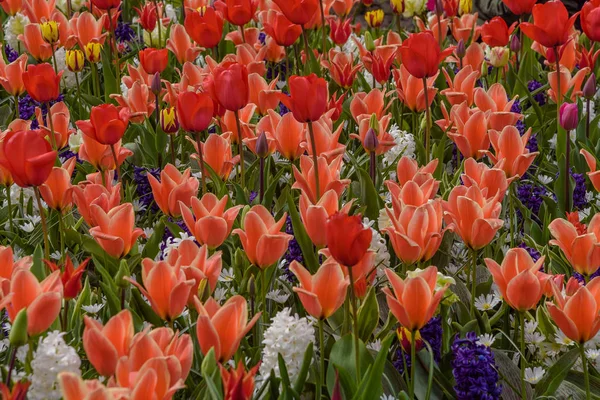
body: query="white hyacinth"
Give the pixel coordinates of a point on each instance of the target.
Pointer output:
(413, 7)
(405, 146)
(52, 357)
(76, 5)
(288, 335)
(13, 28)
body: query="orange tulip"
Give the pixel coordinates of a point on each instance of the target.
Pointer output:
(432, 26)
(217, 154)
(410, 89)
(329, 176)
(594, 174)
(229, 124)
(582, 250)
(174, 188)
(34, 43)
(421, 54)
(262, 239)
(85, 195)
(517, 280)
(222, 327)
(465, 28)
(263, 95)
(308, 97)
(463, 87)
(471, 135)
(412, 193)
(61, 122)
(11, 7)
(385, 141)
(212, 224)
(347, 239)
(70, 276)
(57, 190)
(475, 218)
(165, 286)
(100, 155)
(326, 139)
(115, 231)
(491, 181)
(104, 345)
(181, 46)
(408, 170)
(315, 216)
(8, 266)
(85, 29)
(342, 68)
(324, 292)
(11, 77)
(282, 30)
(107, 124)
(139, 100)
(367, 104)
(205, 26)
(568, 83)
(177, 348)
(42, 300)
(511, 155)
(289, 134)
(237, 383)
(299, 12)
(413, 301)
(42, 83)
(75, 388)
(27, 156)
(578, 315)
(551, 25)
(19, 389)
(496, 104)
(195, 111)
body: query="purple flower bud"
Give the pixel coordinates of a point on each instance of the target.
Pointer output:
(262, 146)
(156, 84)
(589, 89)
(515, 44)
(461, 49)
(371, 141)
(569, 116)
(439, 7)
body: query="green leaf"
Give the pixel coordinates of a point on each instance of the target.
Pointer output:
(308, 253)
(83, 297)
(368, 195)
(342, 355)
(146, 311)
(303, 374)
(110, 81)
(38, 268)
(368, 315)
(371, 386)
(556, 373)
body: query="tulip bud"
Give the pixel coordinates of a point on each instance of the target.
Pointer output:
(498, 56)
(369, 44)
(404, 337)
(262, 146)
(168, 120)
(374, 123)
(569, 116)
(18, 331)
(439, 8)
(484, 70)
(209, 363)
(371, 141)
(589, 89)
(374, 18)
(398, 6)
(92, 52)
(203, 290)
(156, 84)
(515, 44)
(251, 286)
(367, 3)
(461, 50)
(122, 273)
(75, 60)
(50, 31)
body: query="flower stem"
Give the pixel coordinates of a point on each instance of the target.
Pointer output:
(523, 360)
(373, 167)
(322, 360)
(324, 27)
(558, 130)
(261, 179)
(512, 217)
(172, 139)
(473, 280)
(240, 146)
(36, 191)
(52, 137)
(427, 117)
(586, 373)
(315, 161)
(355, 323)
(114, 38)
(61, 229)
(117, 167)
(17, 114)
(11, 365)
(78, 95)
(9, 201)
(413, 360)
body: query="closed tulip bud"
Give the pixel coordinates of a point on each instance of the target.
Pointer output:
(50, 31)
(369, 44)
(262, 146)
(209, 363)
(18, 331)
(92, 52)
(569, 116)
(589, 89)
(398, 6)
(405, 336)
(156, 83)
(75, 60)
(484, 70)
(515, 44)
(203, 290)
(122, 273)
(251, 286)
(498, 56)
(461, 50)
(374, 18)
(439, 7)
(371, 141)
(168, 120)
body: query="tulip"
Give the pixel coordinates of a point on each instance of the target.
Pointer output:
(581, 250)
(231, 86)
(299, 12)
(11, 7)
(589, 89)
(569, 116)
(491, 180)
(289, 136)
(551, 25)
(205, 26)
(342, 69)
(56, 190)
(106, 4)
(173, 188)
(165, 286)
(511, 153)
(222, 328)
(8, 265)
(261, 238)
(282, 30)
(27, 156)
(42, 300)
(11, 75)
(70, 277)
(471, 136)
(154, 60)
(411, 193)
(369, 128)
(421, 55)
(340, 30)
(177, 348)
(496, 33)
(566, 83)
(85, 195)
(516, 279)
(115, 231)
(497, 105)
(463, 87)
(60, 115)
(169, 123)
(92, 52)
(323, 293)
(181, 46)
(315, 215)
(210, 223)
(594, 174)
(240, 12)
(75, 60)
(411, 90)
(101, 156)
(50, 32)
(107, 124)
(499, 57)
(34, 43)
(195, 111)
(374, 18)
(42, 83)
(263, 95)
(414, 300)
(347, 239)
(408, 170)
(104, 345)
(237, 383)
(475, 218)
(519, 7)
(330, 177)
(147, 16)
(308, 97)
(590, 19)
(19, 389)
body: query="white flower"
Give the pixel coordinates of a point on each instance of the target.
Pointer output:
(173, 242)
(382, 256)
(227, 275)
(75, 141)
(56, 255)
(138, 206)
(93, 308)
(351, 47)
(14, 27)
(220, 294)
(487, 340)
(387, 397)
(375, 346)
(486, 302)
(545, 179)
(413, 7)
(592, 354)
(552, 141)
(405, 146)
(148, 232)
(34, 219)
(289, 336)
(277, 296)
(4, 344)
(562, 339)
(76, 5)
(171, 13)
(383, 221)
(52, 357)
(534, 338)
(530, 326)
(27, 227)
(534, 375)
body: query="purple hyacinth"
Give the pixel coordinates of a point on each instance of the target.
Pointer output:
(432, 334)
(294, 252)
(540, 97)
(474, 369)
(516, 108)
(124, 32)
(11, 54)
(581, 278)
(262, 38)
(532, 144)
(27, 107)
(169, 235)
(253, 195)
(579, 199)
(531, 196)
(535, 255)
(143, 188)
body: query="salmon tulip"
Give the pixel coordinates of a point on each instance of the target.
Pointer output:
(414, 300)
(315, 216)
(261, 238)
(324, 292)
(238, 384)
(218, 155)
(510, 151)
(347, 239)
(462, 88)
(471, 135)
(410, 89)
(85, 195)
(181, 46)
(421, 54)
(205, 26)
(34, 43)
(115, 231)
(57, 190)
(497, 106)
(594, 174)
(100, 155)
(107, 124)
(222, 328)
(42, 83)
(308, 97)
(568, 83)
(154, 60)
(104, 345)
(11, 75)
(299, 12)
(329, 176)
(491, 180)
(61, 123)
(551, 25)
(517, 280)
(174, 188)
(28, 157)
(289, 135)
(367, 104)
(210, 222)
(582, 250)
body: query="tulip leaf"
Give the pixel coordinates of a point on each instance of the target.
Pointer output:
(152, 246)
(342, 358)
(38, 268)
(560, 188)
(577, 378)
(303, 374)
(368, 315)
(147, 312)
(368, 195)
(556, 373)
(424, 372)
(83, 297)
(510, 373)
(371, 386)
(110, 81)
(308, 253)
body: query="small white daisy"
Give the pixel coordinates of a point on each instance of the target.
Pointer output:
(93, 308)
(487, 340)
(277, 296)
(486, 302)
(534, 375)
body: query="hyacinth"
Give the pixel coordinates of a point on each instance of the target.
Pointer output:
(531, 196)
(288, 335)
(51, 357)
(581, 278)
(540, 97)
(294, 252)
(474, 369)
(143, 188)
(516, 108)
(11, 54)
(27, 108)
(125, 33)
(579, 191)
(432, 334)
(535, 255)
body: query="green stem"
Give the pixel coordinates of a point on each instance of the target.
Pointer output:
(61, 233)
(586, 374)
(473, 280)
(512, 219)
(201, 162)
(78, 94)
(52, 137)
(36, 191)
(355, 323)
(17, 114)
(523, 359)
(324, 27)
(114, 39)
(172, 141)
(322, 360)
(558, 130)
(9, 201)
(96, 78)
(240, 146)
(413, 357)
(427, 118)
(117, 167)
(315, 161)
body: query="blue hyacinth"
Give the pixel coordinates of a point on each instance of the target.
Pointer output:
(432, 334)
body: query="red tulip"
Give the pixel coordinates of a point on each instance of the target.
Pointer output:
(347, 239)
(106, 4)
(154, 60)
(519, 7)
(70, 276)
(147, 16)
(340, 30)
(195, 111)
(231, 87)
(551, 24)
(421, 55)
(496, 33)
(41, 82)
(240, 12)
(308, 97)
(205, 27)
(590, 19)
(27, 156)
(282, 30)
(299, 12)
(107, 124)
